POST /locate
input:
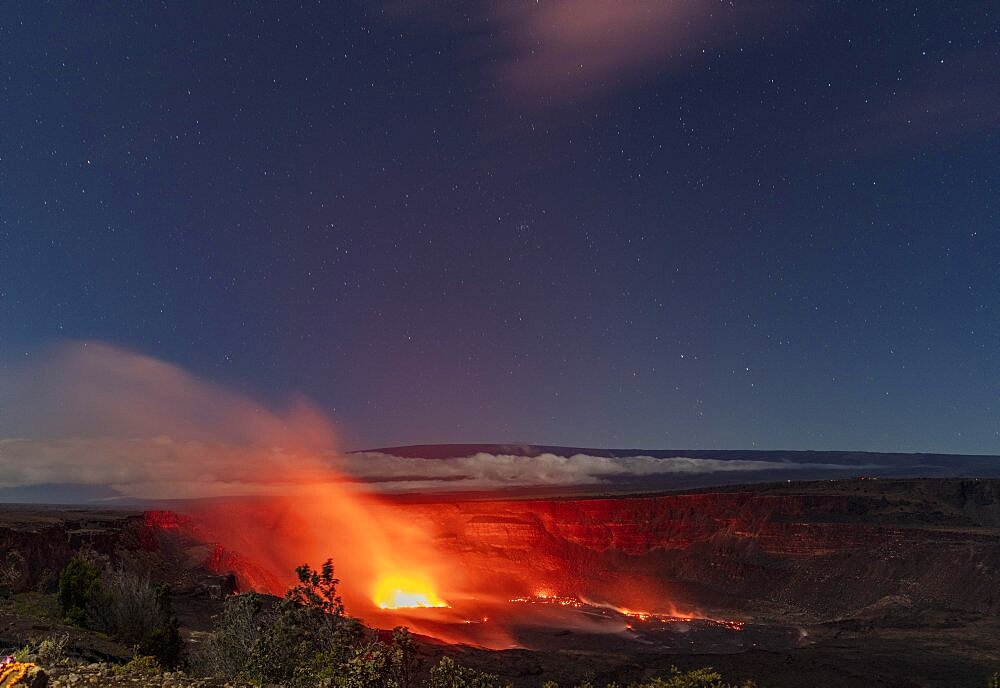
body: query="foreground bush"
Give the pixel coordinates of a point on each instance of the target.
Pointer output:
(303, 639)
(699, 678)
(450, 674)
(123, 602)
(79, 590)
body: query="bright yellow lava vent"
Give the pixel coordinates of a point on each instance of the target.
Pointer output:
(400, 592)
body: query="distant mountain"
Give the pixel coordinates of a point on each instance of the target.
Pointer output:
(58, 493)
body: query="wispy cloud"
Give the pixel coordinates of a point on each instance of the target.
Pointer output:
(563, 50)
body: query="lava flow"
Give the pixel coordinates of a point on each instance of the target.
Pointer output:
(608, 610)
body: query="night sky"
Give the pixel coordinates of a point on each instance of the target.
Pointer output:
(684, 225)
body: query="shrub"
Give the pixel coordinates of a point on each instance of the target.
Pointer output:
(79, 588)
(384, 665)
(706, 677)
(163, 640)
(238, 630)
(135, 610)
(143, 667)
(449, 674)
(370, 667)
(124, 603)
(302, 639)
(317, 590)
(52, 649)
(407, 664)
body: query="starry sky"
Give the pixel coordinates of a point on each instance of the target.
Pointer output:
(685, 224)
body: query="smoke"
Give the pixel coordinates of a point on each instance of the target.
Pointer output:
(91, 413)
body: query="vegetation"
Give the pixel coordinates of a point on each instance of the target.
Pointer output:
(142, 667)
(706, 677)
(699, 678)
(79, 589)
(449, 674)
(305, 639)
(123, 602)
(302, 639)
(52, 649)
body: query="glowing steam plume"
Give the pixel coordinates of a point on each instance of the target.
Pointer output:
(91, 413)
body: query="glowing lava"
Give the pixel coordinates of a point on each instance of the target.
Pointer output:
(403, 592)
(548, 598)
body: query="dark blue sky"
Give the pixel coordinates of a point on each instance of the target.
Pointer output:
(773, 226)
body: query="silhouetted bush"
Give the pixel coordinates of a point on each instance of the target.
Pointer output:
(706, 677)
(79, 589)
(124, 603)
(450, 674)
(303, 639)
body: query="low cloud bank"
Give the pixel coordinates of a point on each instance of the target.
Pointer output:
(162, 467)
(486, 471)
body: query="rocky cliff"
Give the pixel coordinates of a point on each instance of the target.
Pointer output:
(819, 549)
(37, 542)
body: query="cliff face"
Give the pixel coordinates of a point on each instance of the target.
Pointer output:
(37, 543)
(820, 550)
(823, 550)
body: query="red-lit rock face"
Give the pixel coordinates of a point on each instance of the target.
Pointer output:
(819, 550)
(809, 552)
(823, 554)
(35, 545)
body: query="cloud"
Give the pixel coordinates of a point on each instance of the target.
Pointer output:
(563, 50)
(493, 471)
(576, 47)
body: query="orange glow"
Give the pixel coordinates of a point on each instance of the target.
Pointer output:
(544, 597)
(269, 499)
(674, 616)
(402, 592)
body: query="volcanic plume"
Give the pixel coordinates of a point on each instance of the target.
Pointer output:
(101, 414)
(266, 494)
